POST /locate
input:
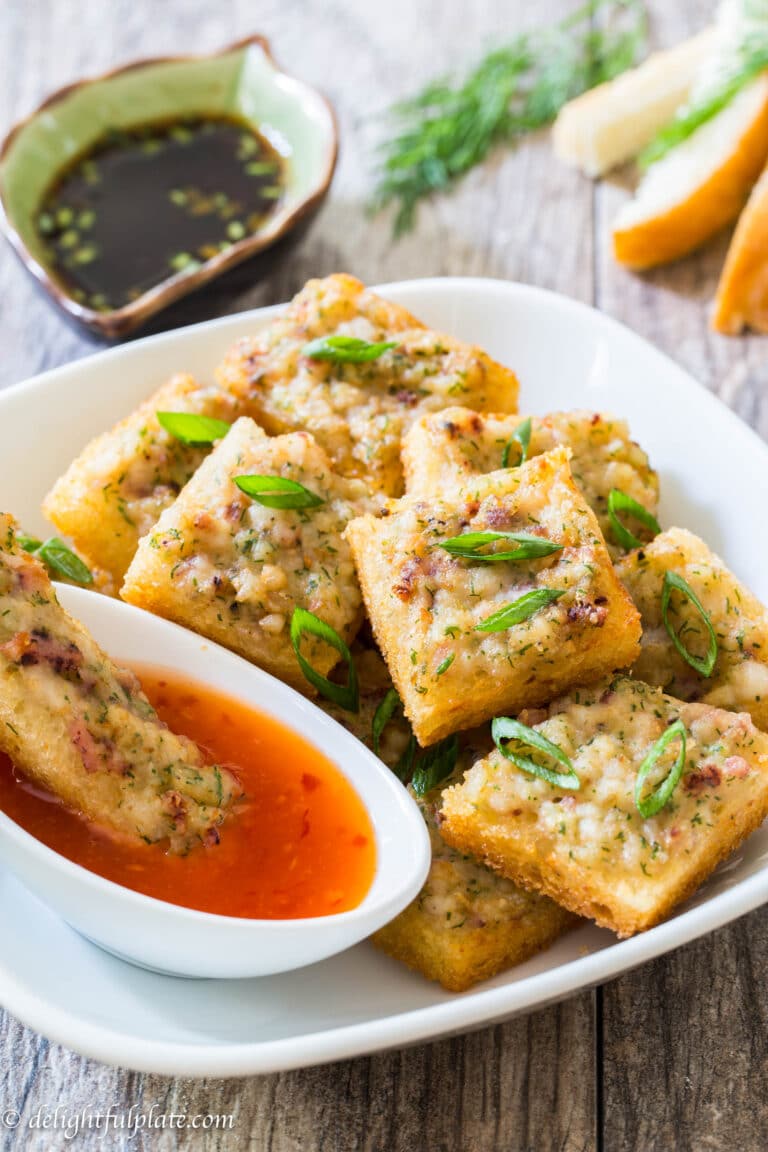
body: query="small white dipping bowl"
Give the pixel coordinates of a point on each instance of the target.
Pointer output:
(180, 941)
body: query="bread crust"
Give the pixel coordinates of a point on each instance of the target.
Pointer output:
(742, 291)
(716, 202)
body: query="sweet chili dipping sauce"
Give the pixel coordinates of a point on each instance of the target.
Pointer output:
(299, 843)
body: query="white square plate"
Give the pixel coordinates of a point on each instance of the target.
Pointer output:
(714, 480)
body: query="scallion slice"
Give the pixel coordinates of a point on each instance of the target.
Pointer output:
(347, 695)
(278, 492)
(62, 560)
(192, 429)
(661, 795)
(522, 437)
(468, 546)
(618, 501)
(504, 728)
(434, 765)
(383, 714)
(346, 349)
(520, 610)
(58, 559)
(703, 664)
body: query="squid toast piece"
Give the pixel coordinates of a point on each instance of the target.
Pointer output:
(739, 622)
(233, 567)
(113, 493)
(443, 449)
(468, 923)
(80, 726)
(358, 403)
(468, 632)
(652, 796)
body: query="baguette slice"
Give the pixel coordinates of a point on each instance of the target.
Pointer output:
(612, 123)
(697, 188)
(742, 294)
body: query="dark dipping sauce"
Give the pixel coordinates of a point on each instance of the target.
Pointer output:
(145, 204)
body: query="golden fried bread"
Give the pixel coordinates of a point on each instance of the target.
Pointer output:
(232, 569)
(426, 605)
(358, 412)
(82, 728)
(444, 449)
(739, 680)
(591, 849)
(468, 923)
(115, 490)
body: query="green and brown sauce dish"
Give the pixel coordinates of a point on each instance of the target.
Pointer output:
(124, 193)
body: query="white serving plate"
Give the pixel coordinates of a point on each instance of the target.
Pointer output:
(714, 479)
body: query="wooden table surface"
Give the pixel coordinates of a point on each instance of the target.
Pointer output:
(672, 1056)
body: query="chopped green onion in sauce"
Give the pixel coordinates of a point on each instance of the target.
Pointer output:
(618, 501)
(506, 730)
(192, 429)
(520, 438)
(705, 665)
(468, 545)
(347, 695)
(519, 610)
(346, 349)
(278, 492)
(153, 201)
(649, 805)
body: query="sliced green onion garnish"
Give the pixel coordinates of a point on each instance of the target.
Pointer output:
(618, 501)
(520, 610)
(522, 437)
(345, 695)
(504, 728)
(703, 664)
(404, 767)
(383, 714)
(346, 349)
(656, 800)
(28, 543)
(192, 429)
(434, 765)
(277, 492)
(62, 561)
(468, 545)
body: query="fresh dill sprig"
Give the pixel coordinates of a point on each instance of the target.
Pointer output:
(448, 128)
(752, 60)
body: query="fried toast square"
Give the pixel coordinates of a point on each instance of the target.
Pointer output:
(443, 449)
(739, 680)
(81, 727)
(115, 490)
(431, 611)
(468, 923)
(591, 849)
(233, 569)
(358, 412)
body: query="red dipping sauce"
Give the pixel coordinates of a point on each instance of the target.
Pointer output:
(299, 843)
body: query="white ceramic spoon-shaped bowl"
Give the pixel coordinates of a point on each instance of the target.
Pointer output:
(181, 941)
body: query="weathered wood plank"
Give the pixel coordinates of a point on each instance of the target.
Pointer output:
(684, 1039)
(524, 1085)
